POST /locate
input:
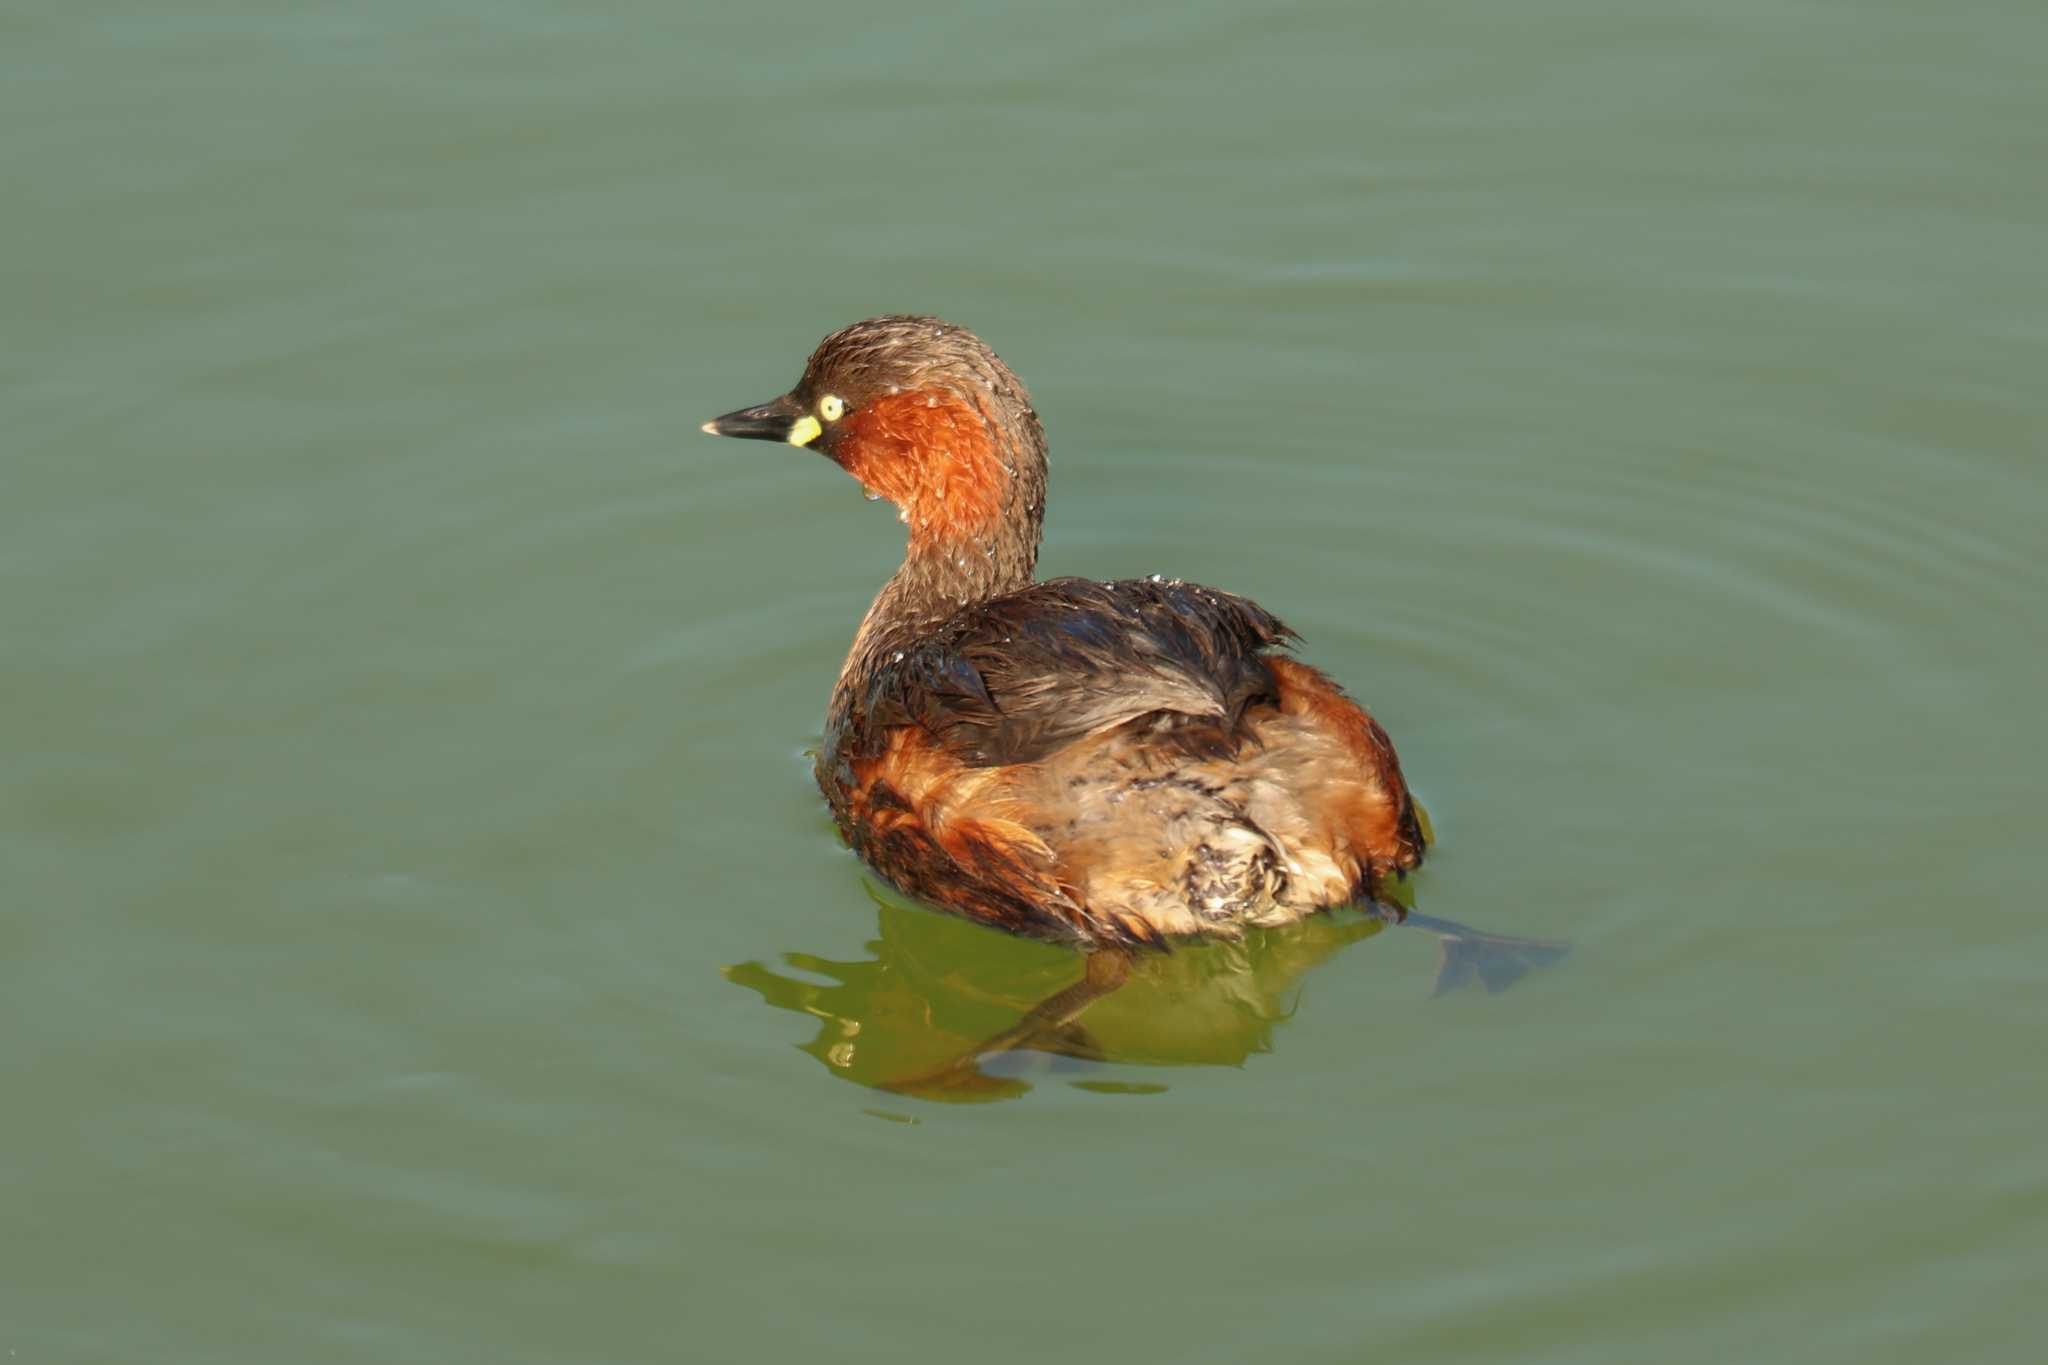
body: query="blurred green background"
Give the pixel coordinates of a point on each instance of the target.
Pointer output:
(410, 857)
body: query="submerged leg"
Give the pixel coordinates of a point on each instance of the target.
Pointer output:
(1497, 961)
(1050, 1022)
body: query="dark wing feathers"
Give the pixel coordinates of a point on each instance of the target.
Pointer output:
(1016, 678)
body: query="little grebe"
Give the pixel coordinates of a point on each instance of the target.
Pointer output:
(1111, 765)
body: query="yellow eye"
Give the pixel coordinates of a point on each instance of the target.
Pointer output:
(831, 407)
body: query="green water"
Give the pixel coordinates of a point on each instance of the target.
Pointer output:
(422, 941)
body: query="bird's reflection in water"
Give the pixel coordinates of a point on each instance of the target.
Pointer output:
(924, 1013)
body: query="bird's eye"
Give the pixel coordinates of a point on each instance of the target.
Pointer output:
(831, 407)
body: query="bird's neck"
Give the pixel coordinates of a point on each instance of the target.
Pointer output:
(968, 480)
(938, 579)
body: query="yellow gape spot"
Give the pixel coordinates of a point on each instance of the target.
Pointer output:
(805, 431)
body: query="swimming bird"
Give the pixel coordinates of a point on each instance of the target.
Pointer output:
(1116, 766)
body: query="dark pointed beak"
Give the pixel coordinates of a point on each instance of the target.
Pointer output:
(771, 421)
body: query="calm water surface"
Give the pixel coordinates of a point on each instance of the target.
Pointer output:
(423, 943)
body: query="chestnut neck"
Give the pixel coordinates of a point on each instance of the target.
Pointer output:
(950, 566)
